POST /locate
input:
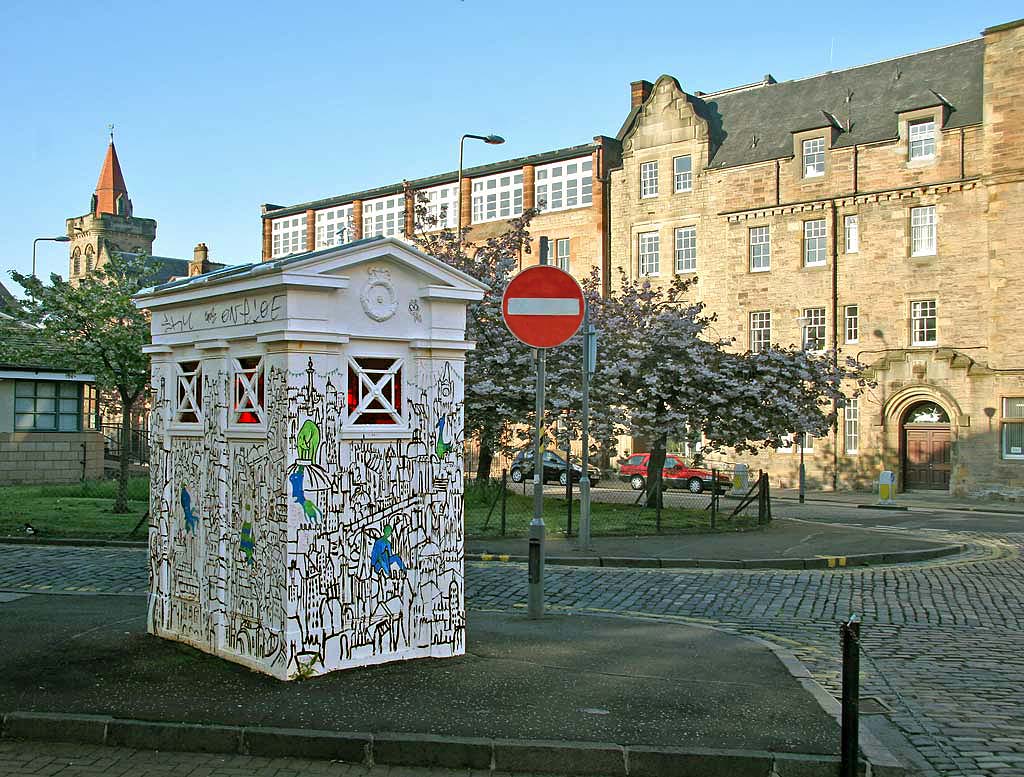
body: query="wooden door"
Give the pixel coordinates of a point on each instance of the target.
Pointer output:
(926, 460)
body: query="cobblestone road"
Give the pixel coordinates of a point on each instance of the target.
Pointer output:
(944, 638)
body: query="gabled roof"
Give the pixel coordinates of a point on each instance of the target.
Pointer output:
(862, 103)
(111, 183)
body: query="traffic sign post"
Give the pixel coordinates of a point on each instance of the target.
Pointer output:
(542, 307)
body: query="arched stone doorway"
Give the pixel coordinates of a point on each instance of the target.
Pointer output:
(925, 447)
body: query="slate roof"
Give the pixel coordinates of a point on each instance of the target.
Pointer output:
(173, 268)
(46, 354)
(769, 114)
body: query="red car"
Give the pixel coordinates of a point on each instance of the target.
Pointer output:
(675, 474)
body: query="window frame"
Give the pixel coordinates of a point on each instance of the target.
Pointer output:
(288, 235)
(847, 318)
(507, 197)
(1007, 422)
(253, 388)
(575, 180)
(851, 426)
(191, 382)
(384, 217)
(927, 229)
(814, 318)
(817, 157)
(331, 221)
(563, 258)
(682, 180)
(397, 373)
(685, 249)
(851, 237)
(915, 307)
(654, 236)
(57, 398)
(648, 181)
(820, 242)
(924, 141)
(760, 343)
(764, 253)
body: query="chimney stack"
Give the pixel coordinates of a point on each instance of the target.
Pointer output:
(638, 92)
(200, 263)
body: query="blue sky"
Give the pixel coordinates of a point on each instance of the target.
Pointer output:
(221, 106)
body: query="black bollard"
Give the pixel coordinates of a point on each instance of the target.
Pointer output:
(850, 744)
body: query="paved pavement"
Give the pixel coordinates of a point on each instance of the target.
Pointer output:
(27, 759)
(944, 638)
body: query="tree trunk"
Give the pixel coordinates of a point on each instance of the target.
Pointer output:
(483, 464)
(655, 466)
(121, 500)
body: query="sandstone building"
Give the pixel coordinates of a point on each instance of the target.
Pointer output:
(875, 211)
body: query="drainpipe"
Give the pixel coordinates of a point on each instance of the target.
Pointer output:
(835, 341)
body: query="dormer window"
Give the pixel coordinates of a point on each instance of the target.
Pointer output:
(814, 157)
(922, 139)
(374, 391)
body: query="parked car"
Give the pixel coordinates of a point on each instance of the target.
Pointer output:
(675, 474)
(554, 469)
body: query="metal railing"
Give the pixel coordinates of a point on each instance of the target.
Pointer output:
(138, 444)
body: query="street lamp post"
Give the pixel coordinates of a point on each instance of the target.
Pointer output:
(494, 140)
(61, 239)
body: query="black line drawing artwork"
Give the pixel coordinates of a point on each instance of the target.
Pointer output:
(307, 544)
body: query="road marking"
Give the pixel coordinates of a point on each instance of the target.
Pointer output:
(543, 306)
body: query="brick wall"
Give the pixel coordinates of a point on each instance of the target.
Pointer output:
(43, 457)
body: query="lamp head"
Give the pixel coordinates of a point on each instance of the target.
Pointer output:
(494, 140)
(63, 239)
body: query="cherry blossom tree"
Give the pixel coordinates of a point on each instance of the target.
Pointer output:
(663, 373)
(500, 370)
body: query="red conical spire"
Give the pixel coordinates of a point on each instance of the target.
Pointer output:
(111, 185)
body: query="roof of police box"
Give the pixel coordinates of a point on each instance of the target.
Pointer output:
(235, 272)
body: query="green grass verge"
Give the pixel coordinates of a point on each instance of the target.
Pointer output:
(607, 520)
(83, 510)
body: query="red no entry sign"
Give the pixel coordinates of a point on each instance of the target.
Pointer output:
(543, 306)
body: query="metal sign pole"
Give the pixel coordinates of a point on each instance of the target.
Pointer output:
(588, 366)
(535, 607)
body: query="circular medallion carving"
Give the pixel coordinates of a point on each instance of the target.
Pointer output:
(379, 298)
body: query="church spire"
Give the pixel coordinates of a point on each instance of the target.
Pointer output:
(111, 193)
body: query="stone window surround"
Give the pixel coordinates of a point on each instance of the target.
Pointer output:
(640, 178)
(826, 131)
(921, 257)
(922, 299)
(750, 252)
(846, 233)
(675, 247)
(851, 426)
(804, 263)
(1005, 421)
(937, 114)
(640, 255)
(688, 189)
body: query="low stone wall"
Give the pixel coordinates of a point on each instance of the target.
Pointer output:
(50, 457)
